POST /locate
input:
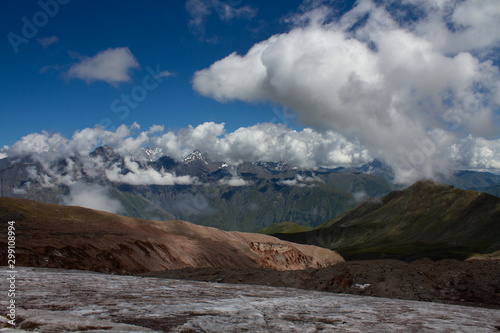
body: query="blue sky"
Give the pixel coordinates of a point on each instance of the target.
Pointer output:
(157, 33)
(414, 83)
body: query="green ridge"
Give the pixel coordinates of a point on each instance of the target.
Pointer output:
(427, 219)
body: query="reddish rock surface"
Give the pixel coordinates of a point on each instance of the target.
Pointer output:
(80, 238)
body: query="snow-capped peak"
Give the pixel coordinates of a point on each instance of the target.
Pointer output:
(195, 156)
(276, 166)
(153, 154)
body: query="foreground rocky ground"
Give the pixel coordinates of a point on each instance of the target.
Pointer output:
(55, 300)
(474, 282)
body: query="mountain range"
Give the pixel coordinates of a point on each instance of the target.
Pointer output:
(246, 197)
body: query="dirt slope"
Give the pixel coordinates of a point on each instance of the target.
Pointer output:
(80, 238)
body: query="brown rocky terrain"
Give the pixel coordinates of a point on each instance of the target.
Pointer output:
(474, 282)
(80, 238)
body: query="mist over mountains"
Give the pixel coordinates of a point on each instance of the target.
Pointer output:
(248, 196)
(245, 196)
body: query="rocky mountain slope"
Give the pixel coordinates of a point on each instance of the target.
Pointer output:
(80, 238)
(427, 219)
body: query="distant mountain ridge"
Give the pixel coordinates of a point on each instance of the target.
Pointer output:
(247, 197)
(427, 219)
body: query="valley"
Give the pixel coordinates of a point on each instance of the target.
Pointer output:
(244, 197)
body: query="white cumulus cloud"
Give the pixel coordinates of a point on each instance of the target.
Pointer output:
(472, 23)
(301, 181)
(111, 65)
(234, 181)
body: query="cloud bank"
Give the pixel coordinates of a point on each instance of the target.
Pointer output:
(404, 89)
(262, 142)
(269, 142)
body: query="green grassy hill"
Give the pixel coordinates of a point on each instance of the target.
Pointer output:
(427, 219)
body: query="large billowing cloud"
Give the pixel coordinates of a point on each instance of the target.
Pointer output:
(406, 90)
(455, 26)
(111, 65)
